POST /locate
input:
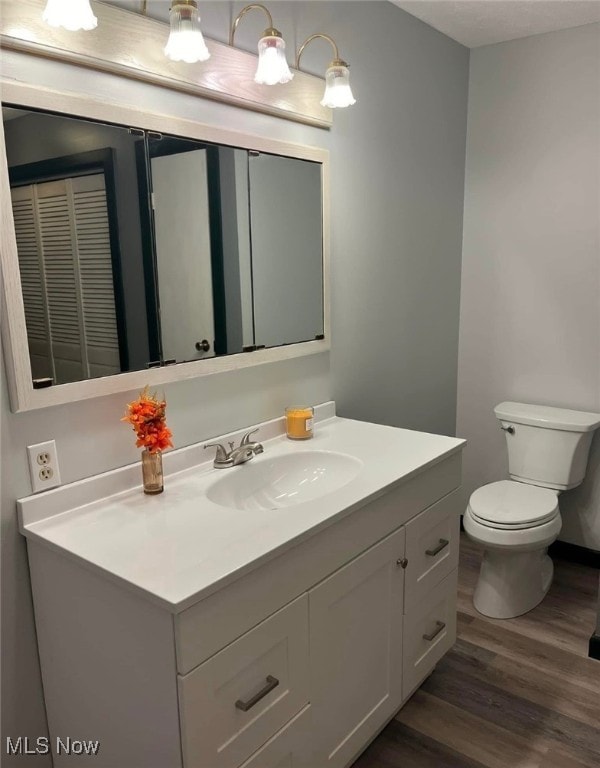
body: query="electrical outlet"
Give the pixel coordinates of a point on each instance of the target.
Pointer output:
(43, 466)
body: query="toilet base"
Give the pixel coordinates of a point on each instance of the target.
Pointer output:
(512, 583)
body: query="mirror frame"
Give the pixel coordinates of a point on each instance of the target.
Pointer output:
(23, 396)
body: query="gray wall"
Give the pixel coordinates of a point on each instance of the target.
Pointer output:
(397, 168)
(530, 309)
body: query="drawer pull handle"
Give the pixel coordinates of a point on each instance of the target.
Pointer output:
(272, 682)
(436, 550)
(439, 625)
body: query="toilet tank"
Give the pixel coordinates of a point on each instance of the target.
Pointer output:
(547, 446)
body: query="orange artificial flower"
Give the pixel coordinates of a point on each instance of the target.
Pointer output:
(147, 417)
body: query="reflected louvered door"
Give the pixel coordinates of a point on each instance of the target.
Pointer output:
(59, 261)
(96, 275)
(65, 261)
(32, 281)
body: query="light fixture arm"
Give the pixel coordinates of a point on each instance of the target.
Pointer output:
(243, 12)
(330, 40)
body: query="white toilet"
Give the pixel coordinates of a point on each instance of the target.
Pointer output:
(516, 520)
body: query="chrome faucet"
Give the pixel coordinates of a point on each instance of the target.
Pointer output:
(245, 451)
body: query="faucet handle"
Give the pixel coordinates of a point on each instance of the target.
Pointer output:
(246, 438)
(221, 454)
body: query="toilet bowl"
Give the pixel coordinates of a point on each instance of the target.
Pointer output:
(516, 520)
(515, 523)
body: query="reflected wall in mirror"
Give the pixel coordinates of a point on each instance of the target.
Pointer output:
(138, 249)
(287, 261)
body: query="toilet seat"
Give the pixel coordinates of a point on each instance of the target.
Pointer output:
(508, 505)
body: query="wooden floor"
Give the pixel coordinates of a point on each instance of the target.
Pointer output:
(517, 693)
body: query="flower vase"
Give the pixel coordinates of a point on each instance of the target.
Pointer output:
(152, 471)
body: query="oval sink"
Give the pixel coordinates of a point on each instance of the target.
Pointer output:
(283, 481)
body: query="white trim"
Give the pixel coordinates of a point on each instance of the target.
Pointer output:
(131, 45)
(14, 333)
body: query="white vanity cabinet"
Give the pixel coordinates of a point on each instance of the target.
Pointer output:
(367, 652)
(297, 663)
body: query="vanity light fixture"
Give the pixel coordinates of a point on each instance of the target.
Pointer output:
(232, 67)
(272, 65)
(337, 77)
(72, 16)
(185, 41)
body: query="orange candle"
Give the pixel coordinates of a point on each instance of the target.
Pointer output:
(299, 422)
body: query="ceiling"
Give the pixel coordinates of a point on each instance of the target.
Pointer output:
(482, 22)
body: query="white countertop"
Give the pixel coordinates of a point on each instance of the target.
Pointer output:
(178, 547)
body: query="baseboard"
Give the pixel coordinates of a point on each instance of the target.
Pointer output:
(594, 649)
(562, 550)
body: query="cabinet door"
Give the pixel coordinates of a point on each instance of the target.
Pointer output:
(356, 651)
(289, 748)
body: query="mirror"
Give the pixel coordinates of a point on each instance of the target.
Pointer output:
(286, 244)
(141, 249)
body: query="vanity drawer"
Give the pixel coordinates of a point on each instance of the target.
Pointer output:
(425, 639)
(237, 700)
(289, 748)
(432, 541)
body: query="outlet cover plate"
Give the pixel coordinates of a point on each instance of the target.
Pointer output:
(43, 466)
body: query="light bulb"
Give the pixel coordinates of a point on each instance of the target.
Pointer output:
(73, 15)
(272, 65)
(185, 41)
(337, 86)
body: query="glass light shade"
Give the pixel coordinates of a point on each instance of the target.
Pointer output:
(337, 87)
(272, 65)
(72, 15)
(185, 41)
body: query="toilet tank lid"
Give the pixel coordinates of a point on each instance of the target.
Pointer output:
(548, 417)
